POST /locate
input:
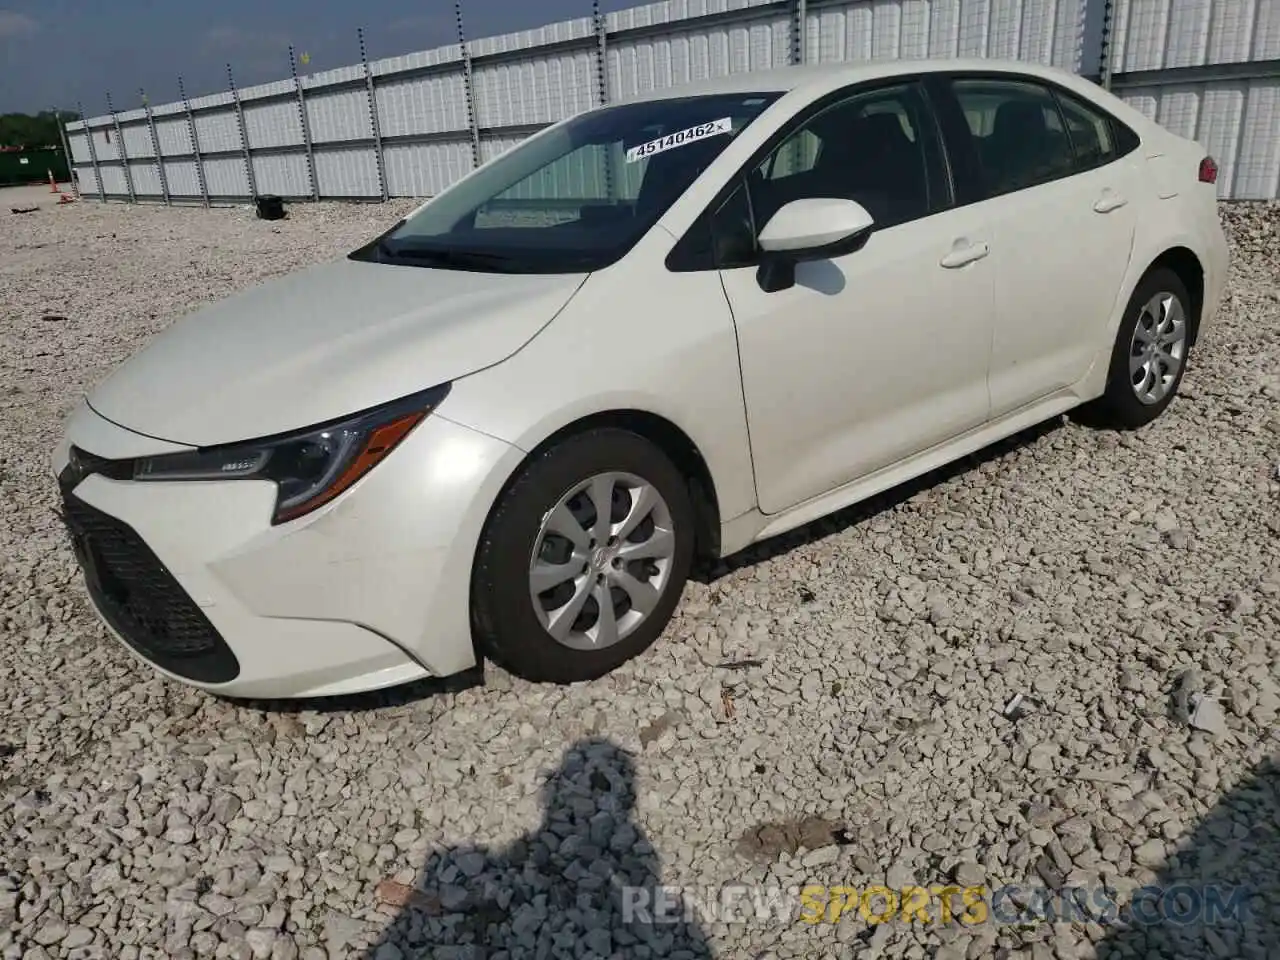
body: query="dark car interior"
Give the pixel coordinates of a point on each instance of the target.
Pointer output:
(863, 155)
(1027, 145)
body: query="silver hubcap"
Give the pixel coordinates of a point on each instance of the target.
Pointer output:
(1158, 349)
(601, 561)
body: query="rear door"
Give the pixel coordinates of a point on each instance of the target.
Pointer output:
(1060, 207)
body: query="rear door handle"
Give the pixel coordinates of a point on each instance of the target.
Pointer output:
(959, 256)
(1109, 201)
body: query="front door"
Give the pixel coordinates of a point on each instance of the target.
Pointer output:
(878, 354)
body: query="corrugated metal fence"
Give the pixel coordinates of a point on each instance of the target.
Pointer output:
(1209, 70)
(411, 125)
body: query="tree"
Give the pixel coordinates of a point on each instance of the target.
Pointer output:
(22, 130)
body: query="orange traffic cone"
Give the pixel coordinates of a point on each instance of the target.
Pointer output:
(53, 184)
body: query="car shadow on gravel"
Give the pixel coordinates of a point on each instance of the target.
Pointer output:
(709, 572)
(1217, 893)
(585, 883)
(397, 696)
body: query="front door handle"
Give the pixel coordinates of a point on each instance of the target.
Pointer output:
(959, 256)
(1109, 201)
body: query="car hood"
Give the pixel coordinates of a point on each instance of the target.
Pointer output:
(321, 344)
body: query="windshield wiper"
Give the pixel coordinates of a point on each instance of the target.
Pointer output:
(459, 259)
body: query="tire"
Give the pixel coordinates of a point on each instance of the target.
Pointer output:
(554, 490)
(1129, 403)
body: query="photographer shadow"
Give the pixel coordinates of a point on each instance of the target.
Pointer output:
(1217, 894)
(583, 884)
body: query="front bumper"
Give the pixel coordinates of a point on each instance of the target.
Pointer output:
(371, 590)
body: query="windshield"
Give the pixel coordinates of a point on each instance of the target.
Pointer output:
(576, 198)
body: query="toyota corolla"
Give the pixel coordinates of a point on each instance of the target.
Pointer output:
(655, 332)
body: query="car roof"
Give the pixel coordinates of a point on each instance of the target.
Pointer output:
(819, 78)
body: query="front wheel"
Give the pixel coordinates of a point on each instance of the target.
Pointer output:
(1149, 356)
(582, 562)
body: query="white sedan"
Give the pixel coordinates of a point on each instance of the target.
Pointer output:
(655, 332)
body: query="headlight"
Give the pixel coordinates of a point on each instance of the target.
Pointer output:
(310, 467)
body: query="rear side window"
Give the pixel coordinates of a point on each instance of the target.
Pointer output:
(1019, 134)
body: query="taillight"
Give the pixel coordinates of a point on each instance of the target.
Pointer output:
(1208, 170)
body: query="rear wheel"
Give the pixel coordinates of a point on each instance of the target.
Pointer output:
(1150, 353)
(583, 559)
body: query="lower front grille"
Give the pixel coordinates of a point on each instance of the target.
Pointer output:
(142, 601)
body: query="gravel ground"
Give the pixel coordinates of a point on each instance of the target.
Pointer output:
(830, 708)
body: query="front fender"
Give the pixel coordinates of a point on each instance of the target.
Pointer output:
(635, 337)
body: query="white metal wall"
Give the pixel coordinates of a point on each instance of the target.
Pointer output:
(1152, 34)
(425, 125)
(422, 170)
(181, 175)
(1041, 31)
(1237, 120)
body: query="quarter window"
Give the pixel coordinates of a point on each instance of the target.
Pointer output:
(1018, 133)
(876, 148)
(1090, 133)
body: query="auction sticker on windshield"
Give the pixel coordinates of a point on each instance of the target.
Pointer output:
(681, 137)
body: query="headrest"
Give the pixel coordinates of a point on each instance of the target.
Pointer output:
(1019, 118)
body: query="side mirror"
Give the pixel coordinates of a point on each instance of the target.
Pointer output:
(812, 229)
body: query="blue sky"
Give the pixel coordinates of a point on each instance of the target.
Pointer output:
(56, 52)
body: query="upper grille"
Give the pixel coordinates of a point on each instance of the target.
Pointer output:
(141, 599)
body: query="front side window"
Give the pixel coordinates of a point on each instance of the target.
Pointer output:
(876, 148)
(1018, 133)
(574, 199)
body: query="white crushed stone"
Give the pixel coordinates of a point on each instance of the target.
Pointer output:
(1086, 571)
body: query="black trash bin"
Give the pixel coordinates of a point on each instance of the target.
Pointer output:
(270, 208)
